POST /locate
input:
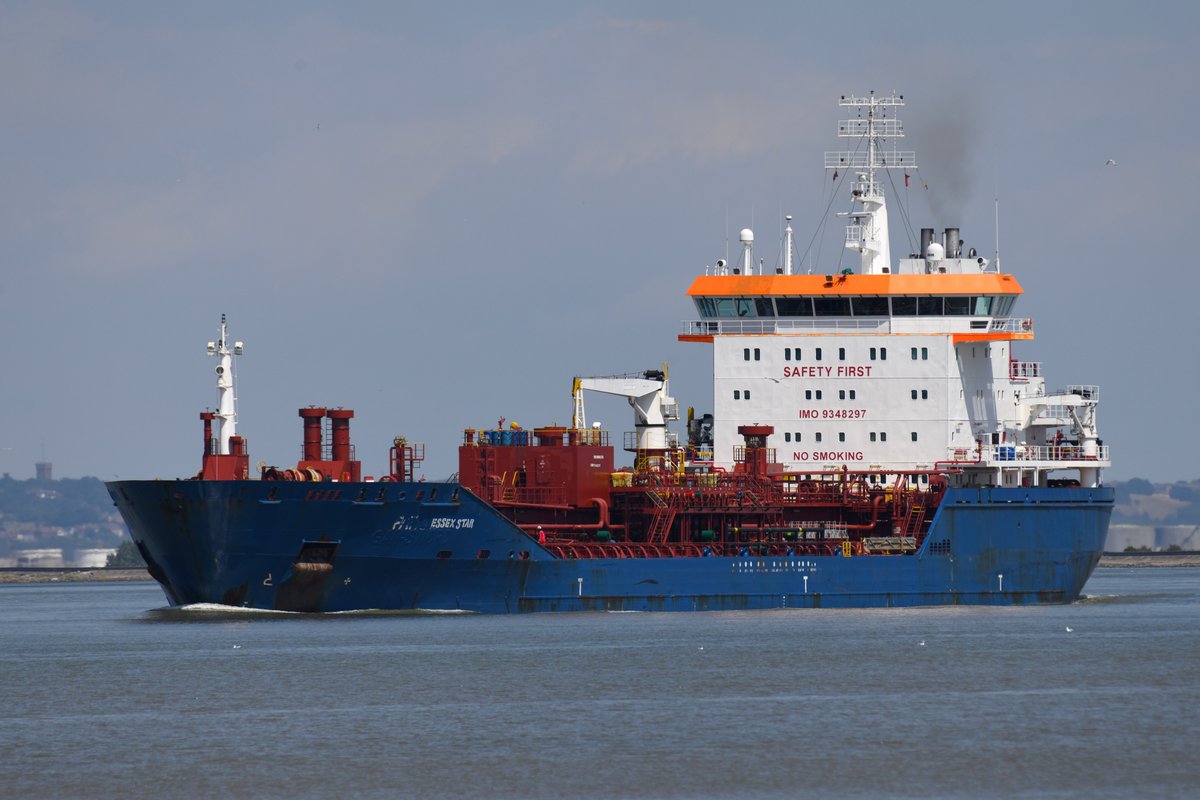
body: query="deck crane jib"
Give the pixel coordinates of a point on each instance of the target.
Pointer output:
(647, 393)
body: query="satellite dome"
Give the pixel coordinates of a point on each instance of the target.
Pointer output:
(747, 235)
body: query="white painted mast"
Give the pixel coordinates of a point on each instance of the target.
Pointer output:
(787, 246)
(867, 231)
(227, 407)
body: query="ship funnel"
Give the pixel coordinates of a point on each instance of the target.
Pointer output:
(340, 423)
(952, 243)
(926, 240)
(312, 417)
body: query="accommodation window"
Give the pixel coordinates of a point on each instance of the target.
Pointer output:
(841, 436)
(818, 356)
(872, 436)
(841, 354)
(746, 354)
(852, 394)
(787, 354)
(745, 394)
(914, 354)
(818, 435)
(883, 354)
(818, 394)
(808, 394)
(924, 353)
(757, 354)
(883, 436)
(787, 437)
(914, 436)
(872, 353)
(841, 394)
(737, 394)
(797, 436)
(914, 394)
(924, 394)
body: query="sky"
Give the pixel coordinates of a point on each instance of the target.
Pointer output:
(437, 214)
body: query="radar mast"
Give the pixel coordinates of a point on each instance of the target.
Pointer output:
(867, 230)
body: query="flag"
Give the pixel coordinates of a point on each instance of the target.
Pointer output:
(906, 180)
(835, 174)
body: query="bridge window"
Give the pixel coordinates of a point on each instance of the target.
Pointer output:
(794, 306)
(929, 306)
(831, 306)
(958, 306)
(904, 306)
(869, 306)
(983, 306)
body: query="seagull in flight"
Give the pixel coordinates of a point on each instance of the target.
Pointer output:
(1110, 163)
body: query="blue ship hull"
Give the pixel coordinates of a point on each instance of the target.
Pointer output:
(433, 546)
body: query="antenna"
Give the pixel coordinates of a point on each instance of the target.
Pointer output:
(996, 179)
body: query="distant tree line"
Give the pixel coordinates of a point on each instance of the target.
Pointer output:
(63, 503)
(127, 555)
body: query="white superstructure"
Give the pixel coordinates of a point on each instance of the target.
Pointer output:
(898, 367)
(226, 400)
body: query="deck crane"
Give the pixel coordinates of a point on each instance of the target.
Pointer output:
(647, 394)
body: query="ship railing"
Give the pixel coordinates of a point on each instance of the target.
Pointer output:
(1086, 392)
(1022, 370)
(1014, 455)
(632, 444)
(857, 159)
(714, 327)
(1011, 325)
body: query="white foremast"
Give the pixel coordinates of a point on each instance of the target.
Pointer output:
(227, 405)
(867, 231)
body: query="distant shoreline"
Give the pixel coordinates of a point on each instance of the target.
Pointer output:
(1185, 558)
(104, 574)
(71, 575)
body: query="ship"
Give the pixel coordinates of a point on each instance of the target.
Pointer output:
(873, 441)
